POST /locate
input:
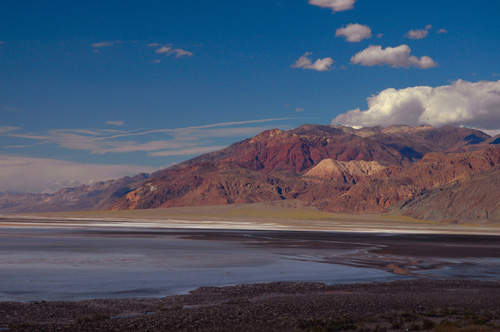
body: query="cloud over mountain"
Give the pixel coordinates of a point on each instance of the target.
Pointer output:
(396, 57)
(461, 103)
(354, 32)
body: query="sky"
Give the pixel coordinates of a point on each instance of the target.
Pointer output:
(93, 90)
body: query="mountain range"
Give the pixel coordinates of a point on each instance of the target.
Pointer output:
(447, 174)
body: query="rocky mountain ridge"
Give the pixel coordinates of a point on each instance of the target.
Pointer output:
(400, 169)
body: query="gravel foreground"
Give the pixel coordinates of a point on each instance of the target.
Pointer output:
(413, 305)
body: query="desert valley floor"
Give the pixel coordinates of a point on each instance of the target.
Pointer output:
(90, 259)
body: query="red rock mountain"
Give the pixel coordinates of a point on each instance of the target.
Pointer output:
(400, 168)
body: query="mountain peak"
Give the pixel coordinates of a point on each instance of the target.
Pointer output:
(316, 130)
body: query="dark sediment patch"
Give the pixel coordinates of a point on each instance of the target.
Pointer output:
(422, 304)
(421, 245)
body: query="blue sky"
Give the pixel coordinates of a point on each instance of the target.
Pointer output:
(89, 85)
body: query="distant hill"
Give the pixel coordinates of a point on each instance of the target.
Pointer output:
(98, 196)
(400, 169)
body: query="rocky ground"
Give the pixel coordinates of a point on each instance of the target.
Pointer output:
(413, 305)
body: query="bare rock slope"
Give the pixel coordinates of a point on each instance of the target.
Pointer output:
(329, 169)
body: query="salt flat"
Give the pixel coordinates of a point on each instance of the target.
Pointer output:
(50, 259)
(263, 216)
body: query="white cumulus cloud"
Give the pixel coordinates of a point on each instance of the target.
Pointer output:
(305, 62)
(354, 32)
(417, 34)
(462, 103)
(396, 57)
(334, 5)
(420, 33)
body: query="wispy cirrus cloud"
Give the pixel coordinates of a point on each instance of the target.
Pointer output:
(168, 50)
(132, 146)
(74, 139)
(7, 129)
(115, 122)
(162, 49)
(106, 43)
(334, 5)
(189, 151)
(305, 62)
(178, 141)
(396, 57)
(226, 128)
